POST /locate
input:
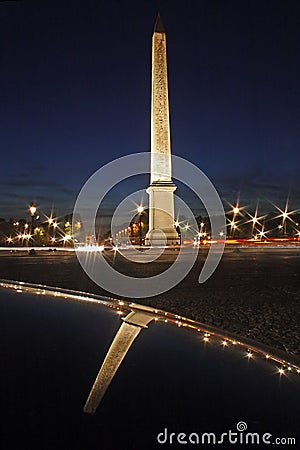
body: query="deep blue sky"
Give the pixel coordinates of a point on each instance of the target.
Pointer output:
(75, 94)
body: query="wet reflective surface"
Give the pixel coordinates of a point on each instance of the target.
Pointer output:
(52, 349)
(254, 292)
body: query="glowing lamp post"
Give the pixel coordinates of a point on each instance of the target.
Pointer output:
(140, 212)
(55, 225)
(177, 227)
(285, 215)
(67, 238)
(32, 211)
(9, 241)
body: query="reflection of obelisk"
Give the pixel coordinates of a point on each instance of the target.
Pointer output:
(134, 322)
(161, 189)
(117, 352)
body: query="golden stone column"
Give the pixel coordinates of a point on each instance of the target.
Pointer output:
(161, 189)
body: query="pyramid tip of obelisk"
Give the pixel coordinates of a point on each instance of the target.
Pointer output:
(159, 27)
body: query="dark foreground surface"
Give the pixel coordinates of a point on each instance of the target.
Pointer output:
(51, 351)
(254, 292)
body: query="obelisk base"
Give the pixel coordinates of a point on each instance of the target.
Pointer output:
(162, 229)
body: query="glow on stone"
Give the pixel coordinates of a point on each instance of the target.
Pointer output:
(161, 190)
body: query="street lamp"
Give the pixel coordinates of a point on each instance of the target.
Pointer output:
(55, 225)
(140, 212)
(66, 238)
(9, 240)
(32, 211)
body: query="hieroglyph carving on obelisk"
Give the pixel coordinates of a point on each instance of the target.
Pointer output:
(161, 189)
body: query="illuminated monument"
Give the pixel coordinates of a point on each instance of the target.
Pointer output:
(161, 215)
(161, 189)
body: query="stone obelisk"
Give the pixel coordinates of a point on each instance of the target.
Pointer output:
(161, 190)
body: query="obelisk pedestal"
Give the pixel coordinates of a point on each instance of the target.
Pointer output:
(162, 229)
(161, 215)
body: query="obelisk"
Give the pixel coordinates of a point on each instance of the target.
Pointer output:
(161, 190)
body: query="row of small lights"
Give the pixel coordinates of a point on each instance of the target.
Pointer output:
(180, 322)
(233, 223)
(236, 210)
(51, 222)
(225, 341)
(140, 209)
(29, 236)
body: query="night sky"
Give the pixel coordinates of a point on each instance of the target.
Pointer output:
(75, 94)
